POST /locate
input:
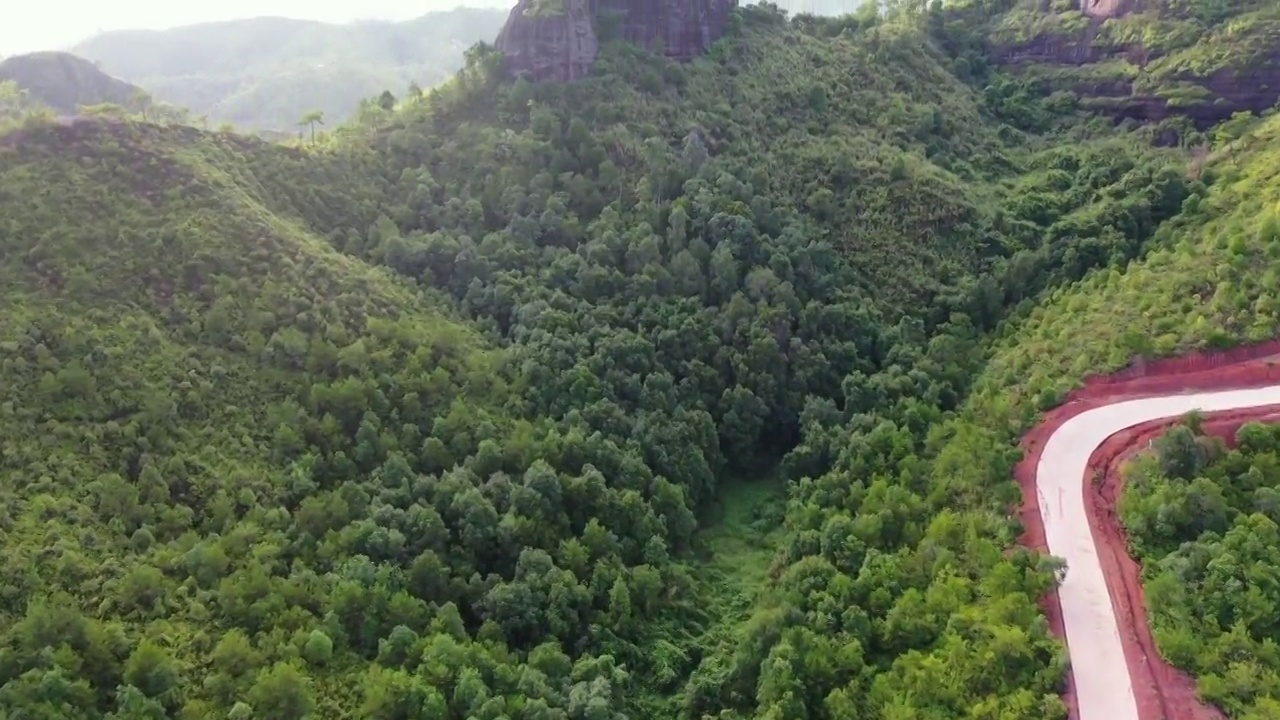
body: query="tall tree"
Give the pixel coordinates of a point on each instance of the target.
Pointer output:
(313, 118)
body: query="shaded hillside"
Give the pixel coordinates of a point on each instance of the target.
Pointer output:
(266, 73)
(65, 82)
(1206, 282)
(1150, 59)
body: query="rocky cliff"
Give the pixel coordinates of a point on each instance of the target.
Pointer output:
(1108, 8)
(1149, 59)
(559, 39)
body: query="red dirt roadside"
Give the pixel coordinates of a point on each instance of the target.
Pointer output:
(1161, 691)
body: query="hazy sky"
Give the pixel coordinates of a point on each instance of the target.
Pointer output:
(56, 25)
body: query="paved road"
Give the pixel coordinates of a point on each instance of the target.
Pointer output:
(1103, 687)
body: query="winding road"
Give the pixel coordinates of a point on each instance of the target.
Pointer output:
(1103, 686)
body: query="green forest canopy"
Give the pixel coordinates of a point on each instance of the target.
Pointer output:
(682, 391)
(1202, 519)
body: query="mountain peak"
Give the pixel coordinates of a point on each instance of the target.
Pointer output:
(559, 39)
(64, 81)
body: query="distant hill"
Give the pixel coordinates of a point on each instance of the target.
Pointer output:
(265, 73)
(64, 82)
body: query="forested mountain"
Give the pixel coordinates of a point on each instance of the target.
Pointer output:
(679, 391)
(64, 82)
(266, 73)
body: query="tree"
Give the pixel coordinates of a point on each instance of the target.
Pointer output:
(620, 605)
(12, 99)
(695, 152)
(1179, 453)
(133, 704)
(152, 671)
(140, 102)
(282, 692)
(47, 695)
(318, 649)
(313, 118)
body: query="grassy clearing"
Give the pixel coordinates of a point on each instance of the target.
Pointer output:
(741, 539)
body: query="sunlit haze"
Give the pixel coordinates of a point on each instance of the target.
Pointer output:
(55, 26)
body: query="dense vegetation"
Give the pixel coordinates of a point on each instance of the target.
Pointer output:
(17, 106)
(646, 396)
(1207, 281)
(266, 73)
(1203, 521)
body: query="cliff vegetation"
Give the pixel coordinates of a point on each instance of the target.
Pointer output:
(1204, 59)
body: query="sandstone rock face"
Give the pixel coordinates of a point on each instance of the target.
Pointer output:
(1254, 88)
(557, 46)
(1077, 49)
(682, 29)
(1251, 83)
(559, 42)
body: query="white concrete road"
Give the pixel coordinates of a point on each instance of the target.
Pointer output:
(1103, 687)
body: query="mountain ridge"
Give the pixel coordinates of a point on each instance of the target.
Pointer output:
(64, 82)
(266, 73)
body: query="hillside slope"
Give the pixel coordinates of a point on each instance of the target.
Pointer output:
(1208, 281)
(64, 82)
(265, 73)
(166, 338)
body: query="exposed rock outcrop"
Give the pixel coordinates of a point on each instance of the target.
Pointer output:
(558, 39)
(1244, 72)
(559, 45)
(1108, 8)
(1253, 88)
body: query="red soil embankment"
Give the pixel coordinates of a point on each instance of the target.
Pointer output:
(1161, 691)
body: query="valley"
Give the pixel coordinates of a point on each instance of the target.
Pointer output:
(691, 388)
